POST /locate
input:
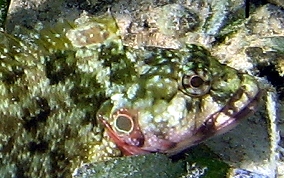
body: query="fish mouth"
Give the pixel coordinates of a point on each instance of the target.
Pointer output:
(243, 103)
(240, 106)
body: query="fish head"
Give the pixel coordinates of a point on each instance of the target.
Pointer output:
(178, 98)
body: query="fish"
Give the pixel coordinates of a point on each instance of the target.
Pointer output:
(73, 92)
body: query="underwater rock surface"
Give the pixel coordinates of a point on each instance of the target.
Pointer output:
(231, 44)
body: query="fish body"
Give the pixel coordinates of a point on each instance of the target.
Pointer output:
(75, 93)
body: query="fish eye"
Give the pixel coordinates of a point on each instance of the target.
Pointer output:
(195, 81)
(197, 84)
(123, 123)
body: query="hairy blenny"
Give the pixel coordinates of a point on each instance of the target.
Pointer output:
(74, 93)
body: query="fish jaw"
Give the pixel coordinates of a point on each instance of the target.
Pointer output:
(224, 120)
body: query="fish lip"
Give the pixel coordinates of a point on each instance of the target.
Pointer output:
(210, 129)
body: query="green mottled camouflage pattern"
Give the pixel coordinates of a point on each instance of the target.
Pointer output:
(54, 82)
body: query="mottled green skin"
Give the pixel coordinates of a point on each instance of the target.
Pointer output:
(54, 82)
(48, 105)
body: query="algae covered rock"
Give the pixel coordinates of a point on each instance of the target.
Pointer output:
(200, 162)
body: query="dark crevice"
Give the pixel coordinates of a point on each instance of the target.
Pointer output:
(273, 77)
(99, 6)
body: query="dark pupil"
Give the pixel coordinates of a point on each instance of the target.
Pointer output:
(123, 123)
(196, 81)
